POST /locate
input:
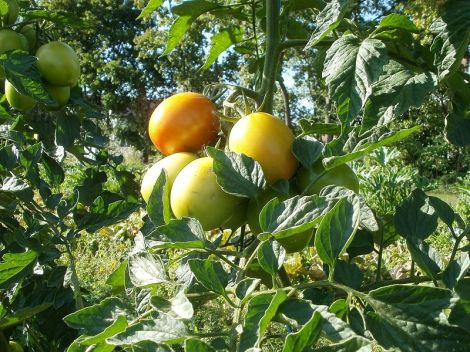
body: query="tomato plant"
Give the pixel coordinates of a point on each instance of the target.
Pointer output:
(184, 122)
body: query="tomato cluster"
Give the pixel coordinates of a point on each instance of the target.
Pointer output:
(57, 63)
(184, 123)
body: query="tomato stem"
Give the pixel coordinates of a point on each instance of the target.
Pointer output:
(272, 54)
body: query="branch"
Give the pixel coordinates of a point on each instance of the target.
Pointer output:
(293, 43)
(285, 99)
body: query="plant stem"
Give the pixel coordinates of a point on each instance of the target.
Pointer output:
(379, 259)
(271, 59)
(221, 257)
(285, 99)
(293, 43)
(456, 246)
(211, 334)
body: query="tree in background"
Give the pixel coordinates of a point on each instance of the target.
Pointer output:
(123, 71)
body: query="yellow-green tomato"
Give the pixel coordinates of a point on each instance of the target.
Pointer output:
(317, 177)
(17, 100)
(10, 40)
(172, 164)
(30, 33)
(196, 194)
(291, 244)
(60, 94)
(268, 140)
(12, 14)
(58, 64)
(15, 347)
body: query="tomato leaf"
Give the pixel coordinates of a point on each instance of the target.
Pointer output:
(152, 6)
(305, 337)
(310, 127)
(21, 71)
(158, 207)
(355, 343)
(460, 313)
(96, 319)
(397, 89)
(237, 174)
(348, 274)
(261, 310)
(160, 329)
(329, 19)
(295, 215)
(146, 269)
(411, 318)
(220, 42)
(210, 274)
(187, 13)
(186, 233)
(271, 255)
(452, 31)
(367, 145)
(458, 128)
(336, 230)
(15, 266)
(307, 151)
(352, 66)
(415, 218)
(397, 21)
(22, 314)
(117, 279)
(194, 345)
(456, 270)
(425, 257)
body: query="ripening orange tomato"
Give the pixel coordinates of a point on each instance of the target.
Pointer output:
(184, 122)
(268, 140)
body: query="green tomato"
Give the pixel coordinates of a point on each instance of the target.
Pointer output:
(30, 34)
(291, 244)
(12, 14)
(312, 181)
(196, 193)
(172, 164)
(10, 40)
(15, 347)
(58, 64)
(60, 94)
(17, 100)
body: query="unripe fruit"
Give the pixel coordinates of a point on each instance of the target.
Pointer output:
(172, 164)
(58, 64)
(268, 140)
(318, 177)
(196, 193)
(10, 40)
(17, 100)
(12, 14)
